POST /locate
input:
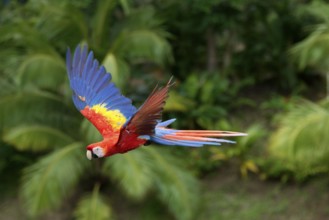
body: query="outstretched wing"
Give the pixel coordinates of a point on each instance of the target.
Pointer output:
(150, 113)
(94, 95)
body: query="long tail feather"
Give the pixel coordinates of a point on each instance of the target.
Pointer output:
(209, 133)
(190, 138)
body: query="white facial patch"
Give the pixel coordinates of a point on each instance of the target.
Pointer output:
(98, 151)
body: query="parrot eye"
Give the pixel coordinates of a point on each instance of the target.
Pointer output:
(97, 152)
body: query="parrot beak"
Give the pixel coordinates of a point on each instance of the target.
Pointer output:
(89, 155)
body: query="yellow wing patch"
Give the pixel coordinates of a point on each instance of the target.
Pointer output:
(114, 117)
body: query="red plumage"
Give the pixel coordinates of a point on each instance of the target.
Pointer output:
(122, 126)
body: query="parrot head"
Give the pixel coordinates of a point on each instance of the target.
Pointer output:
(95, 151)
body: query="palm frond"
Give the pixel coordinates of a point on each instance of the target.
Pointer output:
(7, 86)
(23, 35)
(36, 108)
(141, 37)
(100, 22)
(301, 142)
(42, 71)
(118, 68)
(46, 183)
(132, 171)
(313, 50)
(143, 45)
(93, 206)
(10, 58)
(144, 18)
(317, 9)
(177, 188)
(140, 170)
(36, 138)
(125, 4)
(59, 22)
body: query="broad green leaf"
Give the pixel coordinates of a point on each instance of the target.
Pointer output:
(143, 45)
(133, 172)
(36, 137)
(50, 180)
(62, 24)
(125, 4)
(36, 108)
(42, 70)
(140, 170)
(100, 22)
(118, 68)
(25, 35)
(177, 188)
(93, 206)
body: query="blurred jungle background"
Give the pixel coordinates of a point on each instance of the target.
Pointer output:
(254, 66)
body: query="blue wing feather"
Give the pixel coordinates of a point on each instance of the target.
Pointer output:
(92, 85)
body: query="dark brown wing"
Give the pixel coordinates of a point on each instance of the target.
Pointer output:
(150, 113)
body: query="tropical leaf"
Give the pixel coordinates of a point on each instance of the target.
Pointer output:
(132, 171)
(24, 35)
(125, 4)
(47, 182)
(36, 108)
(143, 45)
(93, 206)
(255, 132)
(317, 9)
(62, 24)
(313, 50)
(301, 142)
(176, 102)
(10, 58)
(177, 188)
(118, 68)
(36, 138)
(100, 22)
(42, 70)
(140, 170)
(144, 18)
(7, 86)
(140, 38)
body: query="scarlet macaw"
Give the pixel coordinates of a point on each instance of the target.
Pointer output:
(122, 126)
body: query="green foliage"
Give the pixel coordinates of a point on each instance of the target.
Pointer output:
(178, 103)
(133, 172)
(314, 49)
(244, 151)
(228, 37)
(221, 49)
(36, 138)
(35, 94)
(24, 108)
(93, 206)
(148, 168)
(53, 178)
(42, 71)
(177, 188)
(300, 145)
(208, 97)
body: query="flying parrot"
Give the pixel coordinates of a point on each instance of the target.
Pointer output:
(122, 125)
